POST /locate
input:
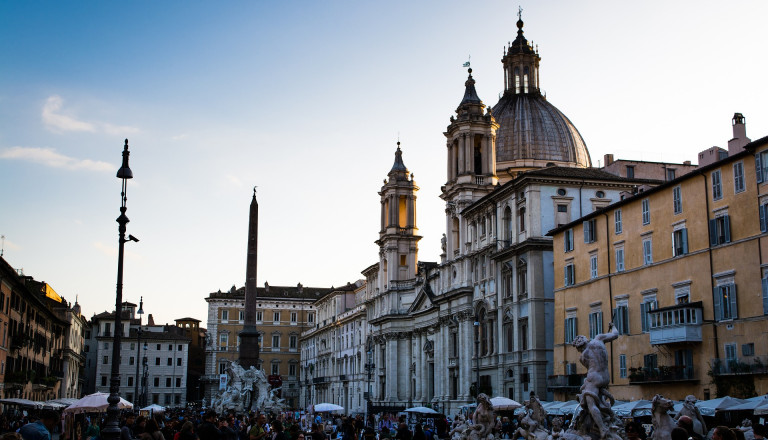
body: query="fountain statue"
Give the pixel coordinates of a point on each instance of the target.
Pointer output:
(595, 420)
(532, 425)
(483, 420)
(691, 410)
(246, 390)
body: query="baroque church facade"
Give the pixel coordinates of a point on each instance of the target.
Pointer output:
(482, 318)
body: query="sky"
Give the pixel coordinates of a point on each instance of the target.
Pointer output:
(307, 100)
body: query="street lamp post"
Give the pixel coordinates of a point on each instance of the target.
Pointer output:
(145, 367)
(477, 355)
(140, 312)
(111, 429)
(369, 366)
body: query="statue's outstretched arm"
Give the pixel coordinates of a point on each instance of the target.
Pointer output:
(612, 334)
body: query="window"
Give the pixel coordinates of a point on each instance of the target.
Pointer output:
(570, 329)
(763, 209)
(677, 199)
(224, 315)
(748, 349)
(726, 305)
(621, 317)
(181, 348)
(593, 266)
(241, 316)
(130, 381)
(623, 366)
(618, 227)
(275, 341)
(647, 251)
(670, 174)
(646, 205)
(403, 260)
(761, 166)
(170, 362)
(158, 347)
(630, 171)
(294, 317)
(679, 242)
(157, 361)
(222, 368)
(224, 339)
(168, 382)
(568, 240)
(730, 353)
(522, 279)
(156, 382)
(103, 381)
(276, 317)
(178, 362)
(275, 369)
(595, 323)
(620, 259)
(717, 185)
(106, 346)
(310, 317)
(292, 369)
(649, 303)
(105, 361)
(259, 316)
(569, 278)
(562, 208)
(590, 234)
(292, 341)
(765, 294)
(738, 177)
(650, 362)
(131, 360)
(720, 230)
(170, 347)
(521, 219)
(178, 382)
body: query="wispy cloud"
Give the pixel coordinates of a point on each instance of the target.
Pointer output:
(57, 120)
(233, 180)
(179, 137)
(50, 158)
(111, 251)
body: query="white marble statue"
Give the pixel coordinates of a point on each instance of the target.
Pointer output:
(246, 390)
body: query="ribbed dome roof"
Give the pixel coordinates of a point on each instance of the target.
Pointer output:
(530, 128)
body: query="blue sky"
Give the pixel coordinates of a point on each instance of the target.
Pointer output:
(306, 100)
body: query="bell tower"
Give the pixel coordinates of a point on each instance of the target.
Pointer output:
(398, 239)
(471, 160)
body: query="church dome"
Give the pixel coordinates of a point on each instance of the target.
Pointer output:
(532, 132)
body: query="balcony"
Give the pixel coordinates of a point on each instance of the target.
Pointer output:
(679, 323)
(319, 380)
(663, 374)
(744, 366)
(343, 377)
(568, 382)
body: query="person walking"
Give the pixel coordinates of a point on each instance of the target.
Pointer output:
(41, 429)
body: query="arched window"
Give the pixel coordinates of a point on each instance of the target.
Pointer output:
(522, 278)
(478, 150)
(509, 232)
(525, 79)
(517, 80)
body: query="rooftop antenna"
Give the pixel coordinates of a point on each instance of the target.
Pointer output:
(2, 245)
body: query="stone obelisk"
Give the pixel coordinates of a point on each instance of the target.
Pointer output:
(249, 336)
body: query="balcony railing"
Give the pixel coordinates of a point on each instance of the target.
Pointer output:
(746, 365)
(566, 382)
(319, 380)
(680, 323)
(663, 374)
(343, 377)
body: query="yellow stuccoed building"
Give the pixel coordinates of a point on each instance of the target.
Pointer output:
(682, 271)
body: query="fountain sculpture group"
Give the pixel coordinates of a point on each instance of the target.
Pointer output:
(246, 390)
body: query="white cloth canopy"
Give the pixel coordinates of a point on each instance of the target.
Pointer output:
(636, 408)
(21, 402)
(710, 407)
(421, 410)
(96, 402)
(154, 408)
(504, 403)
(327, 407)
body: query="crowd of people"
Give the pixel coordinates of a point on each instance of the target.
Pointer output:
(208, 425)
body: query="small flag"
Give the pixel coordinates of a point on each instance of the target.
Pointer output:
(466, 64)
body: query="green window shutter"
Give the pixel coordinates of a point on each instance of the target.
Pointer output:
(765, 296)
(734, 302)
(718, 298)
(727, 227)
(758, 168)
(713, 232)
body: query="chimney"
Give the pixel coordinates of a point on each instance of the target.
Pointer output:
(740, 138)
(608, 159)
(150, 320)
(687, 162)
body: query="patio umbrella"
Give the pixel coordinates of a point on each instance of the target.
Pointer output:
(710, 407)
(750, 404)
(421, 410)
(154, 408)
(21, 402)
(96, 402)
(328, 407)
(762, 409)
(503, 403)
(635, 408)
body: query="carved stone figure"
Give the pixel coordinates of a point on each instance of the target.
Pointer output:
(689, 409)
(484, 420)
(532, 425)
(557, 429)
(663, 423)
(244, 389)
(595, 419)
(459, 427)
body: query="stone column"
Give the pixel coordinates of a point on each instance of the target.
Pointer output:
(462, 167)
(392, 368)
